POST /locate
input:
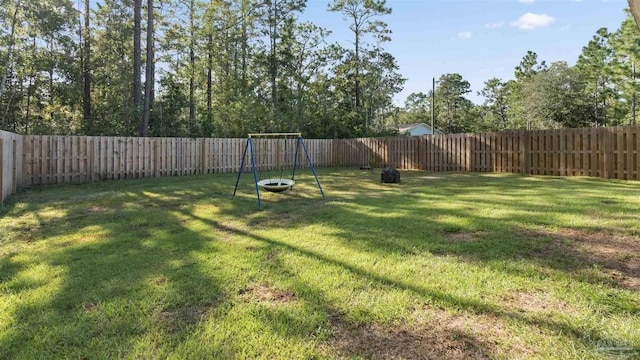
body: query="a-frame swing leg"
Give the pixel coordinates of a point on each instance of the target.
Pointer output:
(295, 162)
(304, 147)
(244, 156)
(248, 146)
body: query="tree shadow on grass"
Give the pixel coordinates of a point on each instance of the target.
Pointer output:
(501, 229)
(138, 256)
(561, 327)
(511, 243)
(121, 276)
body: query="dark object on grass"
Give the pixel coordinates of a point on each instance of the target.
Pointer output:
(365, 167)
(390, 175)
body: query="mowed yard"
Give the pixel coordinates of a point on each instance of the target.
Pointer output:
(441, 266)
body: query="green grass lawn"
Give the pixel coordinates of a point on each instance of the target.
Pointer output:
(442, 265)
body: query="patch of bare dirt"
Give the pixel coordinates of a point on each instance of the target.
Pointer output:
(272, 255)
(489, 331)
(98, 209)
(266, 293)
(437, 335)
(276, 220)
(464, 236)
(536, 301)
(178, 318)
(90, 307)
(618, 255)
(227, 231)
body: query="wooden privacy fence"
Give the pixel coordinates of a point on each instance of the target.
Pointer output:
(64, 159)
(11, 166)
(611, 152)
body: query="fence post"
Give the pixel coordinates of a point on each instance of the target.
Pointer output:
(14, 166)
(607, 153)
(525, 145)
(467, 151)
(203, 156)
(1, 170)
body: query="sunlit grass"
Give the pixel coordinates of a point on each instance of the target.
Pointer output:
(442, 265)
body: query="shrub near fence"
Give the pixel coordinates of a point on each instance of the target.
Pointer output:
(611, 152)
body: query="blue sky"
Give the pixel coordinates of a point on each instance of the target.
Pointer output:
(478, 39)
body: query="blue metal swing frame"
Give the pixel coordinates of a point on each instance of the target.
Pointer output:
(249, 147)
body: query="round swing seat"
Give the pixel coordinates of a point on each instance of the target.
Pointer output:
(276, 185)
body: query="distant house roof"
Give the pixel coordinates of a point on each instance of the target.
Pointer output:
(406, 128)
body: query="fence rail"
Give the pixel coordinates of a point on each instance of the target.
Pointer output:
(611, 152)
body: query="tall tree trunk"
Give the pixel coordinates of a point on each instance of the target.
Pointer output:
(12, 38)
(357, 77)
(210, 79)
(30, 91)
(28, 110)
(148, 86)
(153, 74)
(137, 63)
(192, 61)
(604, 105)
(273, 58)
(3, 121)
(210, 70)
(595, 104)
(86, 72)
(633, 96)
(51, 68)
(243, 75)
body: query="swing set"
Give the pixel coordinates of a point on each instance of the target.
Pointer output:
(273, 155)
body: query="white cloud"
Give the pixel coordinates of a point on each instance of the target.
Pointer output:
(495, 25)
(465, 35)
(531, 21)
(526, 1)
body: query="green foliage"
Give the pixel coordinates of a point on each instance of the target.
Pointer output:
(556, 98)
(626, 58)
(417, 109)
(495, 106)
(595, 65)
(39, 76)
(225, 68)
(451, 105)
(368, 70)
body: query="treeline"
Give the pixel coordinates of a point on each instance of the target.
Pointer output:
(223, 68)
(220, 68)
(599, 90)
